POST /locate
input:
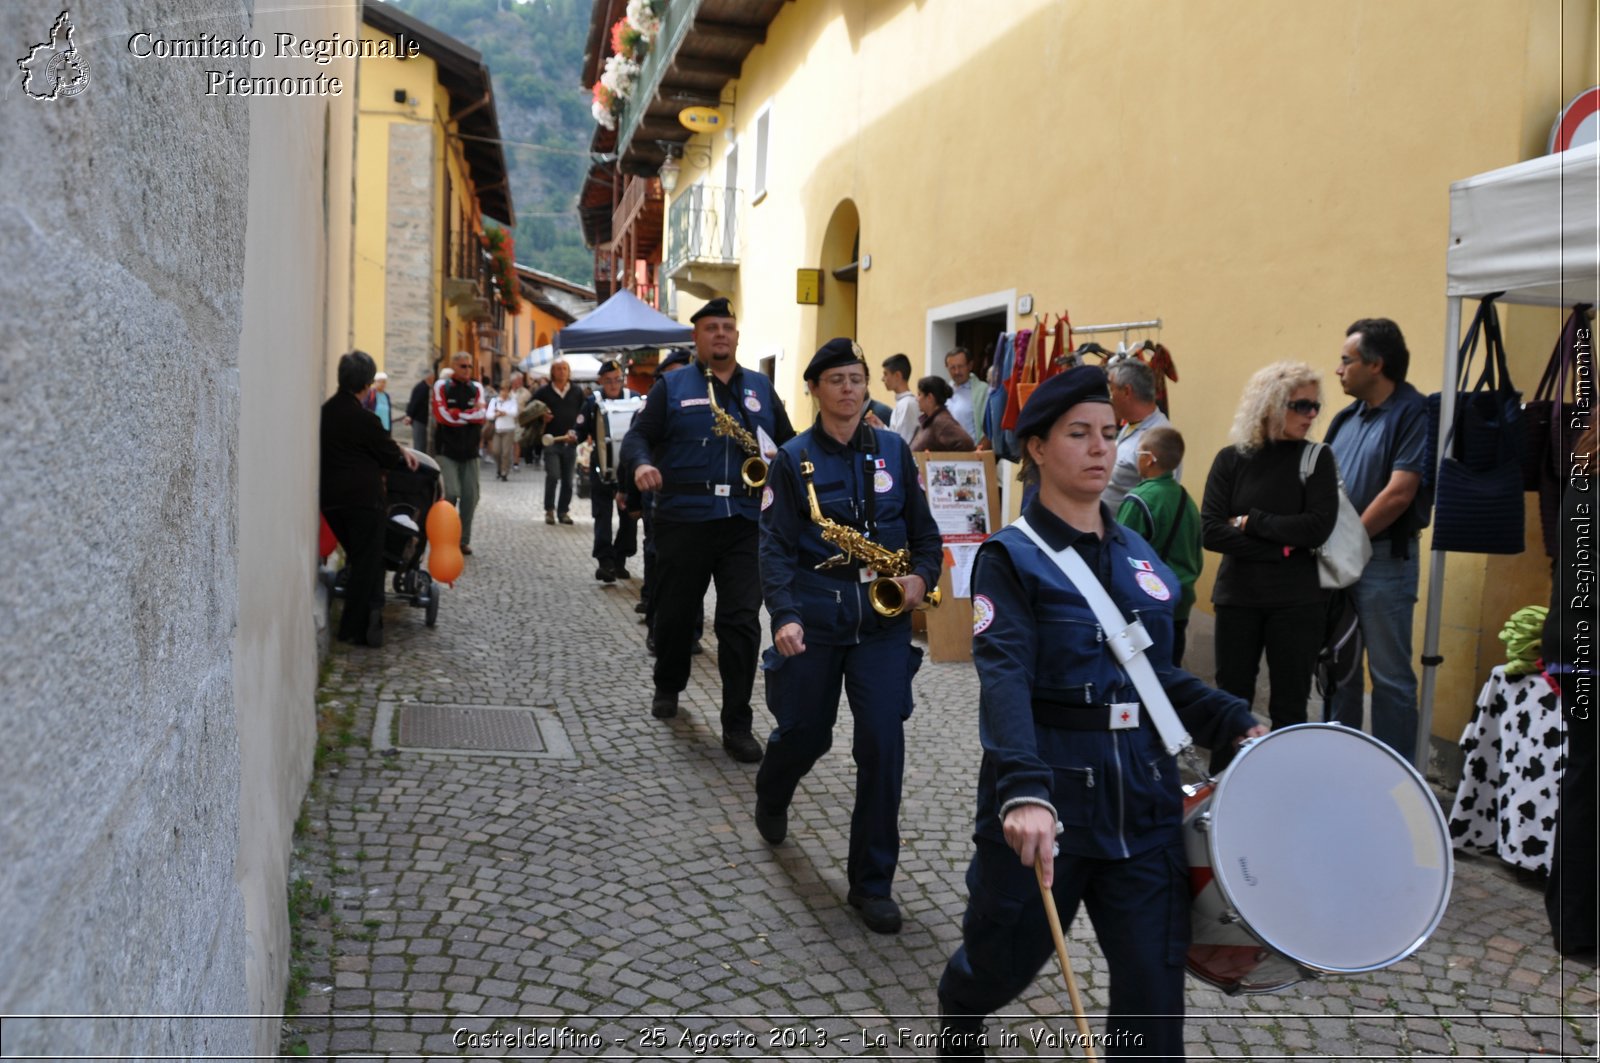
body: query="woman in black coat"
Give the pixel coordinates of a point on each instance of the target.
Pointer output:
(1265, 523)
(355, 452)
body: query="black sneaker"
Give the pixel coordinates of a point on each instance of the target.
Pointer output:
(743, 748)
(604, 574)
(881, 914)
(772, 823)
(664, 706)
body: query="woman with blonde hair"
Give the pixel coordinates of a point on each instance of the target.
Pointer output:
(1265, 523)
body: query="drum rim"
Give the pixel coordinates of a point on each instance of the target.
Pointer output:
(1218, 784)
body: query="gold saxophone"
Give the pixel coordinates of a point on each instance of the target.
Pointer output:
(887, 596)
(754, 470)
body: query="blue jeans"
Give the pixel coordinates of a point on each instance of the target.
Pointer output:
(1385, 597)
(560, 459)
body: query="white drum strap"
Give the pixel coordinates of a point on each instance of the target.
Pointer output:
(1127, 641)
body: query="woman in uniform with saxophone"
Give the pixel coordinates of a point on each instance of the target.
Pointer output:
(848, 549)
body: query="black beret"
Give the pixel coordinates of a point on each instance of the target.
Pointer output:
(836, 352)
(717, 307)
(1084, 383)
(608, 367)
(677, 356)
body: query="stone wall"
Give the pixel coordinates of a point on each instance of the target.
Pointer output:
(146, 800)
(409, 307)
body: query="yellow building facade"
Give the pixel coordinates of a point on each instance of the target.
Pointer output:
(1255, 174)
(429, 169)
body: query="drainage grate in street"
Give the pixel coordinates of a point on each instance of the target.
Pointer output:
(482, 730)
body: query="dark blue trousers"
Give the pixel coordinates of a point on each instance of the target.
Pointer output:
(803, 696)
(1140, 911)
(603, 508)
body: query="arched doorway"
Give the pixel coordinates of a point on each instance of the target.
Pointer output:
(841, 248)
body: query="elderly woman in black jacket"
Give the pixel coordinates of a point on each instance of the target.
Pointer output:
(1265, 523)
(355, 451)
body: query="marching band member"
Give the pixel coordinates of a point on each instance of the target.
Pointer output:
(824, 630)
(617, 406)
(1071, 765)
(693, 444)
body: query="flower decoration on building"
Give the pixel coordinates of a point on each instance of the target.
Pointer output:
(630, 42)
(502, 256)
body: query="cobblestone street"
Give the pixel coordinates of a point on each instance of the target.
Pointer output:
(608, 896)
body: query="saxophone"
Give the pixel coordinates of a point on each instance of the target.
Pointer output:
(754, 470)
(887, 596)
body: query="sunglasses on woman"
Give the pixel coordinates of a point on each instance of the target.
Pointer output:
(1306, 407)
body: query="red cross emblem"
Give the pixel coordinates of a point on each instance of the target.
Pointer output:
(1126, 716)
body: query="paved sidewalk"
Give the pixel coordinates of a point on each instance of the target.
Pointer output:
(617, 902)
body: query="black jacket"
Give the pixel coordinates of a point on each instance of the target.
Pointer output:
(355, 451)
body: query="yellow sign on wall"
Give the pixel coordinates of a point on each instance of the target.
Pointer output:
(808, 286)
(700, 119)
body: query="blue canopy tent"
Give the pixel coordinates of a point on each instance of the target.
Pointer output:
(622, 323)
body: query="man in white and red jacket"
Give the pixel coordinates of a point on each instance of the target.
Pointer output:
(458, 411)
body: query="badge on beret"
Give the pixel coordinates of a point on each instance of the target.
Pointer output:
(766, 498)
(982, 614)
(882, 482)
(1151, 584)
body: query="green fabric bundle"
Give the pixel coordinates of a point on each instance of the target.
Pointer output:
(1522, 635)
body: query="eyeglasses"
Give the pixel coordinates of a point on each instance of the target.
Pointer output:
(1306, 407)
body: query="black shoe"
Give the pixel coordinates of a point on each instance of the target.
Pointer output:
(604, 574)
(465, 549)
(697, 649)
(375, 629)
(650, 644)
(772, 823)
(664, 706)
(640, 607)
(565, 518)
(622, 572)
(881, 914)
(743, 748)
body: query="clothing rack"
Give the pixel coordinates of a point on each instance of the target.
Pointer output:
(1126, 326)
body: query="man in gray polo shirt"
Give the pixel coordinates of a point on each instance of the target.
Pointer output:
(1381, 443)
(1133, 399)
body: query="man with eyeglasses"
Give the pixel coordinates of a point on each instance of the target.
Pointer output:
(826, 633)
(459, 409)
(1133, 400)
(1381, 443)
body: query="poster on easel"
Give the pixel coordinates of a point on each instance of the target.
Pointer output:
(963, 494)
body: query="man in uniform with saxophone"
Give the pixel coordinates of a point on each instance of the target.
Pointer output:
(848, 549)
(701, 443)
(604, 419)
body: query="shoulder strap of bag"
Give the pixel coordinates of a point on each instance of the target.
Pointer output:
(1127, 641)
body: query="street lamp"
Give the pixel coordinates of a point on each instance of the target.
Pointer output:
(669, 173)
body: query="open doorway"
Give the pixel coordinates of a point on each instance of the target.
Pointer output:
(975, 324)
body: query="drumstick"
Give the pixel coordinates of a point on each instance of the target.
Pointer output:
(1066, 965)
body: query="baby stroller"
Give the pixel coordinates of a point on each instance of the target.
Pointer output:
(411, 495)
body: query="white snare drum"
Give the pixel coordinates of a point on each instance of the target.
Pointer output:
(1318, 851)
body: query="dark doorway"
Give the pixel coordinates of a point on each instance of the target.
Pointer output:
(979, 335)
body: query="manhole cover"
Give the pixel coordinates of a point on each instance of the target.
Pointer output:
(483, 730)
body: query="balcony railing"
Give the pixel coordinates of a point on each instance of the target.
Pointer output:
(703, 228)
(675, 25)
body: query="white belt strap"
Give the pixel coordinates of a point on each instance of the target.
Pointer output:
(1127, 641)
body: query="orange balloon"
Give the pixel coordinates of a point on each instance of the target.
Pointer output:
(444, 525)
(445, 563)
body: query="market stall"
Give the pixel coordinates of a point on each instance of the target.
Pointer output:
(1529, 231)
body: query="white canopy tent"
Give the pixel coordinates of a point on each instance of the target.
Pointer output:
(1530, 231)
(585, 367)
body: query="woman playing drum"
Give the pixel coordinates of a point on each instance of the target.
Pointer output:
(1065, 739)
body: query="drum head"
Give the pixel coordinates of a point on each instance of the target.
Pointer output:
(1330, 848)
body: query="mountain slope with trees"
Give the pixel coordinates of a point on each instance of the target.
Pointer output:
(534, 51)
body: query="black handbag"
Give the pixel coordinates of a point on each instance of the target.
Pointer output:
(1478, 498)
(1554, 419)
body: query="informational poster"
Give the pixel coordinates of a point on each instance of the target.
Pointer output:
(964, 497)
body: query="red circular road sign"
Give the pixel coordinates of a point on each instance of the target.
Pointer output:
(1578, 123)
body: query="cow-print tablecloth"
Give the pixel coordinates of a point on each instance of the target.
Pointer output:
(1506, 803)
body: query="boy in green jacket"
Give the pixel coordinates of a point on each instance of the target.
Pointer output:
(1162, 511)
